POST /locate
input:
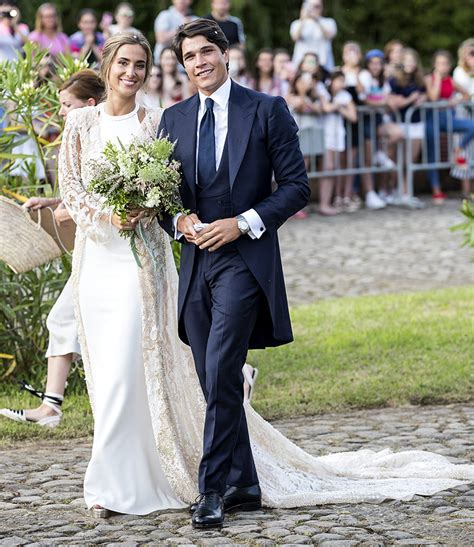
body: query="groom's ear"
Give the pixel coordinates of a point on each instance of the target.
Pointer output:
(226, 57)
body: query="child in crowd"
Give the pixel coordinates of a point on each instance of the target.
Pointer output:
(305, 105)
(338, 107)
(407, 90)
(441, 86)
(310, 63)
(346, 199)
(378, 127)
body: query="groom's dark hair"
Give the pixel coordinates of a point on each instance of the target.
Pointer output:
(199, 27)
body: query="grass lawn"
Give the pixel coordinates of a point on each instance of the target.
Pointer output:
(359, 352)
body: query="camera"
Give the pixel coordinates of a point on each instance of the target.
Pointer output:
(10, 14)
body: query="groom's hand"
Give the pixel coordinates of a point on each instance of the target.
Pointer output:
(218, 233)
(186, 224)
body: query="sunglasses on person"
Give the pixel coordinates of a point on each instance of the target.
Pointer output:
(126, 14)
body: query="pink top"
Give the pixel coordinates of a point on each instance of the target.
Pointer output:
(59, 44)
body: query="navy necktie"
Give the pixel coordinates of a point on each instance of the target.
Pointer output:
(207, 147)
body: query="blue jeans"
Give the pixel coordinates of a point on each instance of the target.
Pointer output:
(458, 125)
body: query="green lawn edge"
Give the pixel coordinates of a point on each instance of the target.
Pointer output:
(349, 353)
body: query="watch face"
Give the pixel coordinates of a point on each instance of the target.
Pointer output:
(243, 225)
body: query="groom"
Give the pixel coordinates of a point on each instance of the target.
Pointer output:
(231, 292)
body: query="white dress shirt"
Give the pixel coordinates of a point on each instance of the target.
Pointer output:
(221, 117)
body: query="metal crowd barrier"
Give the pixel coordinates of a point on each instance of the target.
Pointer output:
(346, 163)
(429, 114)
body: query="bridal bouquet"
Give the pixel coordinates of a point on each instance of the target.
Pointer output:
(140, 175)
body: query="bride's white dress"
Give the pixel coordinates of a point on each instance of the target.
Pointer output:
(146, 399)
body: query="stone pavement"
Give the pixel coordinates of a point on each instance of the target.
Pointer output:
(41, 492)
(369, 252)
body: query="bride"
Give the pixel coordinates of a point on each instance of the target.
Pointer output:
(147, 402)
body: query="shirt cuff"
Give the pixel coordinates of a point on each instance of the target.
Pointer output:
(177, 234)
(256, 225)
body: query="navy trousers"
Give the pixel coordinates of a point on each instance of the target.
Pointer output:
(219, 315)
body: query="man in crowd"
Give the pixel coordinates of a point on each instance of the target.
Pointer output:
(231, 26)
(168, 21)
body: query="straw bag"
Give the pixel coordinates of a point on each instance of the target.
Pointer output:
(31, 238)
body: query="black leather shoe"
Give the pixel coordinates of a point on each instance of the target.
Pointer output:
(243, 499)
(210, 511)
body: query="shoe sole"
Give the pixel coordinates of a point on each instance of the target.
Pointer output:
(251, 506)
(202, 526)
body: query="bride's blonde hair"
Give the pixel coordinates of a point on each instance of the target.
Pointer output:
(114, 43)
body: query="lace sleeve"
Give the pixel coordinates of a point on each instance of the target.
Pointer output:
(87, 210)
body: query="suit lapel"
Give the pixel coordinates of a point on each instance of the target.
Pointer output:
(241, 115)
(186, 131)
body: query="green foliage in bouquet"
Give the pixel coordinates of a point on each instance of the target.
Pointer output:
(141, 175)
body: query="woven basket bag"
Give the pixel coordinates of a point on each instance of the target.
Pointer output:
(24, 243)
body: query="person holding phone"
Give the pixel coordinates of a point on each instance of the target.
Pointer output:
(313, 33)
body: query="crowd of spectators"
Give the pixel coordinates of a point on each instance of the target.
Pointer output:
(322, 92)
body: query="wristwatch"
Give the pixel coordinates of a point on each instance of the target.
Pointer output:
(242, 224)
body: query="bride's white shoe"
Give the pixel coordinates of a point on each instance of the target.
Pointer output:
(99, 512)
(51, 400)
(20, 416)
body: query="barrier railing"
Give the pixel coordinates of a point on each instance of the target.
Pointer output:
(438, 119)
(361, 140)
(355, 162)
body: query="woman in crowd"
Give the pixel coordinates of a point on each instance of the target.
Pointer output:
(338, 107)
(283, 68)
(265, 79)
(238, 67)
(441, 86)
(84, 88)
(175, 86)
(407, 90)
(48, 31)
(124, 15)
(463, 76)
(393, 57)
(87, 42)
(313, 33)
(151, 94)
(305, 105)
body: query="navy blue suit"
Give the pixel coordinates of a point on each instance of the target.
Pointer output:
(234, 299)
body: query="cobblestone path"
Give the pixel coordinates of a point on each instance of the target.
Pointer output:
(371, 252)
(41, 500)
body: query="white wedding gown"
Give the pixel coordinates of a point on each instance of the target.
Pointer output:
(147, 403)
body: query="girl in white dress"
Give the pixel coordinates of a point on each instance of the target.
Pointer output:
(147, 402)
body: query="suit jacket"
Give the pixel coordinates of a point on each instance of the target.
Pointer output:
(262, 140)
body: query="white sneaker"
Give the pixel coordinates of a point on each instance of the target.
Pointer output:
(383, 160)
(411, 202)
(372, 201)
